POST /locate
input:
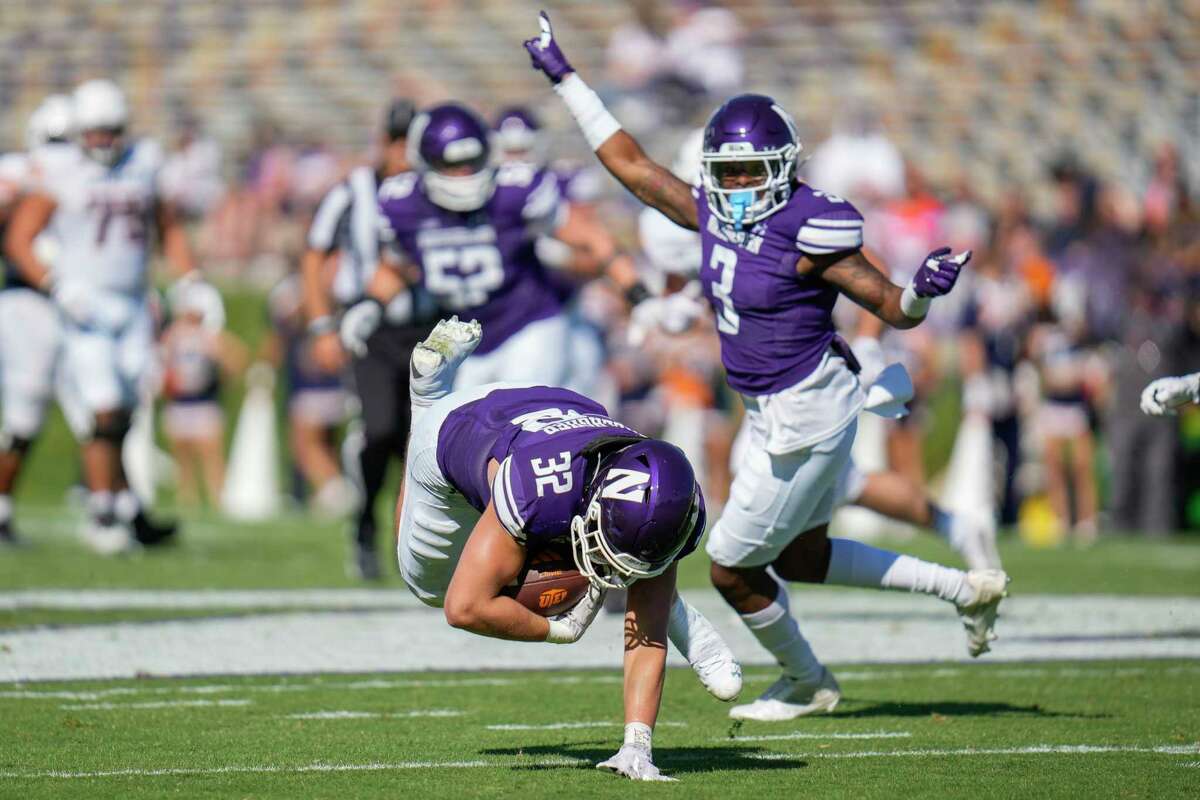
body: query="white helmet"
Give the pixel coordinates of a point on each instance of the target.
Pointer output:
(52, 121)
(100, 104)
(199, 298)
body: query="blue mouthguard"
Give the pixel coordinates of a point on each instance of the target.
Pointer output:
(738, 203)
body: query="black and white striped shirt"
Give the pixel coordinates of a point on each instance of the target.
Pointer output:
(348, 221)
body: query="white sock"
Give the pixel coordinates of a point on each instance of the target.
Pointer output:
(778, 631)
(5, 509)
(692, 634)
(853, 563)
(100, 507)
(127, 505)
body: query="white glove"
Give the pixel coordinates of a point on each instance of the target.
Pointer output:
(1163, 396)
(358, 323)
(74, 299)
(570, 625)
(635, 763)
(643, 318)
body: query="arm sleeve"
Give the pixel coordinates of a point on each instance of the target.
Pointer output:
(330, 217)
(834, 228)
(506, 503)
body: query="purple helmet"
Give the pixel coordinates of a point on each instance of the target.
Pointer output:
(518, 135)
(749, 135)
(448, 145)
(641, 509)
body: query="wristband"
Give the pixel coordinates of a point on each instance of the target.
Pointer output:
(913, 305)
(588, 110)
(638, 734)
(637, 293)
(322, 325)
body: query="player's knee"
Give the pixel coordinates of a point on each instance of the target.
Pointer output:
(112, 426)
(806, 560)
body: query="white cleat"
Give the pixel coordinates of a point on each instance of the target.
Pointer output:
(108, 540)
(979, 615)
(710, 658)
(788, 698)
(974, 538)
(435, 360)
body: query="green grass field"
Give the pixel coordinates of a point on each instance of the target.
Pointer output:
(1127, 729)
(987, 729)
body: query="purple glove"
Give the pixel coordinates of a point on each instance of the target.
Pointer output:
(938, 274)
(545, 55)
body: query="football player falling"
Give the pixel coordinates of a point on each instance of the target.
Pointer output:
(497, 471)
(776, 253)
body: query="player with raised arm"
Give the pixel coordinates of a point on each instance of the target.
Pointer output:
(30, 332)
(775, 254)
(469, 227)
(499, 472)
(100, 201)
(1164, 396)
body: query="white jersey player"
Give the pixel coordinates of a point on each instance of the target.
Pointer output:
(29, 327)
(103, 204)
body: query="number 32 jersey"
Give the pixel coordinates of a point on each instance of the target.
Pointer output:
(775, 325)
(103, 215)
(542, 438)
(481, 264)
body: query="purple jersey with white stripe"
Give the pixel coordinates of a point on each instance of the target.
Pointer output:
(775, 325)
(481, 264)
(538, 434)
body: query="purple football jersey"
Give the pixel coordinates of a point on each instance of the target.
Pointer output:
(538, 434)
(775, 325)
(481, 265)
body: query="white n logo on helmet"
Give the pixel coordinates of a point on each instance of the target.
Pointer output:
(626, 484)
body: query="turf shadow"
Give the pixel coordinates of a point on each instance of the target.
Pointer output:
(892, 708)
(673, 760)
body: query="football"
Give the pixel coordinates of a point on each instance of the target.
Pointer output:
(549, 583)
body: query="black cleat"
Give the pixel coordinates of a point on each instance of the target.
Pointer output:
(364, 563)
(8, 537)
(148, 533)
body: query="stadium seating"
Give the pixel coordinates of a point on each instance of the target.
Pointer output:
(992, 90)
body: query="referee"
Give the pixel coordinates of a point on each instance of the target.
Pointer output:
(341, 257)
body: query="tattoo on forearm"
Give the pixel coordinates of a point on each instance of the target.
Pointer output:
(662, 190)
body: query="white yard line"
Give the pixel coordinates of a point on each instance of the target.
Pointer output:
(1034, 750)
(567, 726)
(848, 676)
(154, 705)
(781, 737)
(415, 714)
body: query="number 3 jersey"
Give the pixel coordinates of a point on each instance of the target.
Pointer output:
(775, 325)
(103, 215)
(544, 439)
(481, 264)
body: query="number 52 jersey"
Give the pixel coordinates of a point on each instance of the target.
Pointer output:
(481, 264)
(103, 216)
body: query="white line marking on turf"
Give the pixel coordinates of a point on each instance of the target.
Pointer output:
(1031, 750)
(566, 726)
(780, 737)
(1042, 749)
(418, 713)
(159, 704)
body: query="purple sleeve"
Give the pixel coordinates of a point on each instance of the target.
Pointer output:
(536, 492)
(830, 225)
